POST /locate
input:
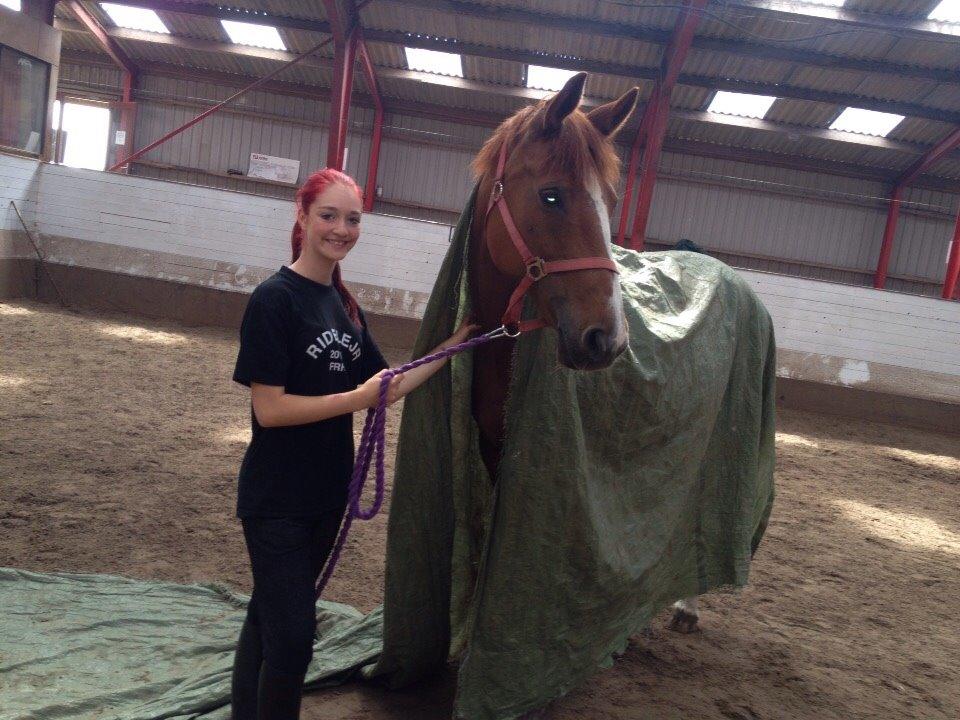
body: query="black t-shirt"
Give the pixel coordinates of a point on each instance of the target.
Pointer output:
(297, 334)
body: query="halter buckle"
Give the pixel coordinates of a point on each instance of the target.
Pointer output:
(535, 269)
(497, 192)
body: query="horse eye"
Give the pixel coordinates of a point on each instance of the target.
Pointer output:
(551, 198)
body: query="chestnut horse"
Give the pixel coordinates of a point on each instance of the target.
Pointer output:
(559, 182)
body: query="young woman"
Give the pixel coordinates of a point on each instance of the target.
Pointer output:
(310, 362)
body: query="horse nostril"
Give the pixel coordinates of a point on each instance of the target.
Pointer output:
(597, 342)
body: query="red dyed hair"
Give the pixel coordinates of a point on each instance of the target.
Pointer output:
(308, 192)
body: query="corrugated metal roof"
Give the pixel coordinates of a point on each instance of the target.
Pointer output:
(802, 112)
(715, 64)
(689, 98)
(893, 88)
(924, 132)
(747, 25)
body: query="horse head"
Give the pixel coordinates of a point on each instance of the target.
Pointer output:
(558, 179)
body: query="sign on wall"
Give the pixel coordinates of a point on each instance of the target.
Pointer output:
(278, 169)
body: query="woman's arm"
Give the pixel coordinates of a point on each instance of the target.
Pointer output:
(412, 379)
(274, 407)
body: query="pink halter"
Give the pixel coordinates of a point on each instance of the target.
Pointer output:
(537, 267)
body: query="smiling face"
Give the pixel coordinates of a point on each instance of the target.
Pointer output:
(331, 225)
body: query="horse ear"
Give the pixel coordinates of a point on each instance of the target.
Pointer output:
(610, 117)
(563, 103)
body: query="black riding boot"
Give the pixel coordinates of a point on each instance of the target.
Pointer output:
(280, 694)
(246, 673)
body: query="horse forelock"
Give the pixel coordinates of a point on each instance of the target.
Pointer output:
(578, 150)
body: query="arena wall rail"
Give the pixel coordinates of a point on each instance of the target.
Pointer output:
(190, 253)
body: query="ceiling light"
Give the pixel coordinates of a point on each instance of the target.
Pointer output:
(947, 11)
(265, 36)
(134, 18)
(434, 61)
(547, 78)
(742, 104)
(866, 122)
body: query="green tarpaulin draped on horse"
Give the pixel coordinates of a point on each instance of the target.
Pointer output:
(619, 491)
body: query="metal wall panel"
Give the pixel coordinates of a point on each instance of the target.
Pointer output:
(94, 77)
(765, 217)
(785, 215)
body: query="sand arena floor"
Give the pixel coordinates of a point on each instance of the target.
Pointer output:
(121, 439)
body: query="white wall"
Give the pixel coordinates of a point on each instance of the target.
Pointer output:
(243, 230)
(18, 183)
(843, 334)
(861, 337)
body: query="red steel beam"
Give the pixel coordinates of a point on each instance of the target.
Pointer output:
(128, 119)
(345, 55)
(943, 147)
(370, 191)
(635, 150)
(953, 264)
(143, 151)
(889, 232)
(130, 73)
(345, 39)
(657, 112)
(109, 45)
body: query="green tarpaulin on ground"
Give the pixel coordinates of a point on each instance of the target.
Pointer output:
(101, 647)
(619, 491)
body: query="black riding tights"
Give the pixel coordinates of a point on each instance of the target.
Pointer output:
(276, 642)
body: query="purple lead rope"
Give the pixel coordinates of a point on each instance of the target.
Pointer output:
(373, 440)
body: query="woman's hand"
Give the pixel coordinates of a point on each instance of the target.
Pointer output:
(369, 392)
(466, 330)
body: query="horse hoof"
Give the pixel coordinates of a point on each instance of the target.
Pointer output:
(684, 622)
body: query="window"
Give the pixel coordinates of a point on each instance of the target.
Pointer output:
(742, 104)
(946, 11)
(265, 36)
(866, 122)
(434, 61)
(135, 18)
(23, 100)
(12, 4)
(85, 134)
(547, 78)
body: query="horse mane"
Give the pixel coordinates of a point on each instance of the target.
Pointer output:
(578, 147)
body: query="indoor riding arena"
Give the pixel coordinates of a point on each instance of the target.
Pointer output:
(150, 152)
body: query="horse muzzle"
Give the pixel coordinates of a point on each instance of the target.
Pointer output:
(592, 349)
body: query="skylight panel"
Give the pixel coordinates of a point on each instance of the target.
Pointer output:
(12, 4)
(242, 33)
(812, 7)
(866, 122)
(946, 11)
(742, 104)
(434, 61)
(135, 18)
(547, 78)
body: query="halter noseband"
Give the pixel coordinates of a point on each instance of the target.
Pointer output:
(537, 267)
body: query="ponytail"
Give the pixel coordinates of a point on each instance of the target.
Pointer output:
(308, 192)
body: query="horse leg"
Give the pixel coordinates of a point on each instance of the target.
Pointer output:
(686, 616)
